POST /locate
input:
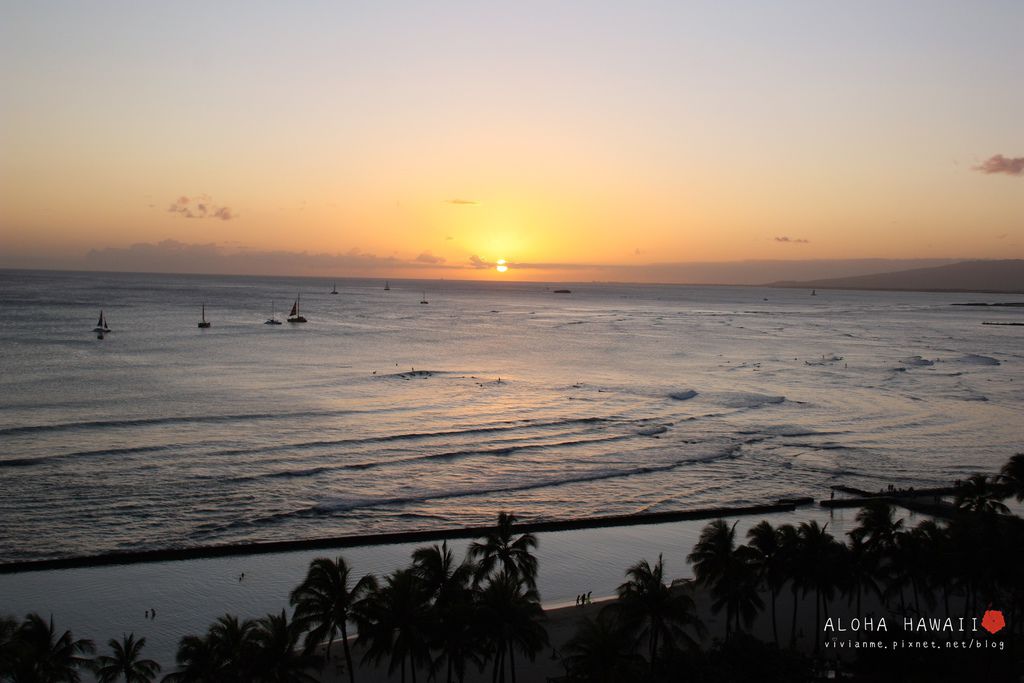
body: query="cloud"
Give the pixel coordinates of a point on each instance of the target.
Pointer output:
(200, 207)
(172, 256)
(792, 240)
(477, 262)
(1001, 164)
(427, 257)
(462, 202)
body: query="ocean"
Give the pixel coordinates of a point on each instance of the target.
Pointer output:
(383, 414)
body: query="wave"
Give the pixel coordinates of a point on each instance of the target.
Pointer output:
(448, 455)
(350, 503)
(42, 459)
(344, 505)
(652, 430)
(499, 427)
(683, 395)
(917, 362)
(180, 419)
(507, 425)
(741, 400)
(977, 359)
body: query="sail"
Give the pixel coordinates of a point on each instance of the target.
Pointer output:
(295, 309)
(100, 323)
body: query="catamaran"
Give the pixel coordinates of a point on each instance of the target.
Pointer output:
(101, 325)
(203, 322)
(424, 299)
(272, 320)
(296, 316)
(335, 290)
(387, 286)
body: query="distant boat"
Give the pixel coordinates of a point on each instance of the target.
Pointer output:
(272, 320)
(101, 324)
(204, 323)
(563, 291)
(296, 316)
(335, 290)
(387, 286)
(814, 292)
(424, 299)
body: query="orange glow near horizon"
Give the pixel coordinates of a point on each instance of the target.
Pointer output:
(455, 145)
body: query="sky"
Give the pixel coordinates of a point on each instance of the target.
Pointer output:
(573, 140)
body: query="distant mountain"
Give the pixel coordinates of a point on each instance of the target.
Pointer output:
(966, 276)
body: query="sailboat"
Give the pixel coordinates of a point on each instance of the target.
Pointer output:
(387, 286)
(335, 290)
(204, 323)
(272, 320)
(101, 324)
(424, 300)
(295, 316)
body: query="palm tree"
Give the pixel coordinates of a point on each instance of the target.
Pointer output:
(454, 637)
(791, 565)
(654, 611)
(1012, 476)
(877, 527)
(765, 541)
(42, 655)
(279, 658)
(324, 604)
(500, 547)
(510, 616)
(729, 572)
(234, 645)
(602, 650)
(197, 660)
(125, 662)
(979, 496)
(8, 629)
(441, 577)
(394, 622)
(861, 568)
(819, 556)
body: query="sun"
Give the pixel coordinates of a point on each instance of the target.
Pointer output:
(501, 267)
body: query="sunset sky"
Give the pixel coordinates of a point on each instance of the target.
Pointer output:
(430, 139)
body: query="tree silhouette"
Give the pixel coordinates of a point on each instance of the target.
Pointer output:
(324, 604)
(655, 612)
(125, 662)
(500, 550)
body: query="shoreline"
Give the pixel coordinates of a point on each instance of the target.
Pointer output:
(358, 540)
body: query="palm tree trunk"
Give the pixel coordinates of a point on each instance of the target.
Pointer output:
(792, 628)
(512, 662)
(403, 669)
(412, 668)
(654, 645)
(775, 628)
(348, 653)
(449, 668)
(817, 618)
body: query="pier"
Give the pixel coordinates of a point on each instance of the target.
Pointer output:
(928, 501)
